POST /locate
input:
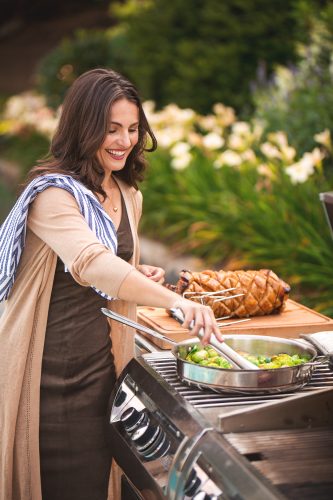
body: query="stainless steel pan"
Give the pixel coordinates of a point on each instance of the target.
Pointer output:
(262, 381)
(237, 380)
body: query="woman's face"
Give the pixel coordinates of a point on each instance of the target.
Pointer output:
(122, 136)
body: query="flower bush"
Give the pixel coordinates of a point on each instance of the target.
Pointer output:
(219, 188)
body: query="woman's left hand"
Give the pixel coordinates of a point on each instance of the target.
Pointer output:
(153, 273)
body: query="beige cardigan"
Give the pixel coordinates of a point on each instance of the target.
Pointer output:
(55, 227)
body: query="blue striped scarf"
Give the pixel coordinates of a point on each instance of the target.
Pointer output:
(13, 230)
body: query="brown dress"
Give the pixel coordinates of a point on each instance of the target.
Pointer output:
(77, 378)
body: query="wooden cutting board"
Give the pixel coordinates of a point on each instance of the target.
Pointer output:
(293, 321)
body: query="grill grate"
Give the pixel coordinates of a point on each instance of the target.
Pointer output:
(165, 366)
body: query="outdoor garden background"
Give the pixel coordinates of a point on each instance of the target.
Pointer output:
(239, 94)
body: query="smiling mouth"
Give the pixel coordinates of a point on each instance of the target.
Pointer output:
(115, 154)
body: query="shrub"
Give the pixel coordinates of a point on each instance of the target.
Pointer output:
(191, 52)
(87, 50)
(243, 201)
(196, 53)
(300, 100)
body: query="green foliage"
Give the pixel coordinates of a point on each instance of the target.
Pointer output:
(87, 50)
(191, 52)
(300, 100)
(3, 99)
(233, 218)
(198, 52)
(7, 201)
(24, 149)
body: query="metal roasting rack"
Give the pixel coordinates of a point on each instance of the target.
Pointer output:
(217, 296)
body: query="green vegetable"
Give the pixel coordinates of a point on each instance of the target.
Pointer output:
(204, 362)
(277, 361)
(211, 352)
(199, 356)
(208, 356)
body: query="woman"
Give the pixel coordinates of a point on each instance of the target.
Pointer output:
(70, 245)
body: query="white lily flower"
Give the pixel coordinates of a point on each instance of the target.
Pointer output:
(236, 141)
(279, 138)
(180, 149)
(181, 162)
(249, 156)
(213, 141)
(288, 153)
(264, 170)
(225, 115)
(172, 113)
(317, 156)
(241, 128)
(297, 174)
(300, 172)
(324, 138)
(270, 150)
(208, 122)
(228, 158)
(195, 139)
(167, 136)
(148, 106)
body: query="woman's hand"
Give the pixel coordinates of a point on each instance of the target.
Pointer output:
(153, 273)
(202, 317)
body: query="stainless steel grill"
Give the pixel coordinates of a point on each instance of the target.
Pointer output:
(286, 437)
(164, 364)
(176, 442)
(169, 451)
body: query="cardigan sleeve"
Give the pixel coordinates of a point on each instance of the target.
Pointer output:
(55, 218)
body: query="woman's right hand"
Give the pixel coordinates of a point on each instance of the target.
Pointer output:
(201, 317)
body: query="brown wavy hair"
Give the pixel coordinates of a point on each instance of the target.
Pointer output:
(83, 125)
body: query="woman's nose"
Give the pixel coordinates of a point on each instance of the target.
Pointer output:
(125, 140)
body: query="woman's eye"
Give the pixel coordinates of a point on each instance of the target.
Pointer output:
(133, 130)
(112, 131)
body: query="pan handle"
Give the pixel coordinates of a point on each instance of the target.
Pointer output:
(135, 325)
(321, 361)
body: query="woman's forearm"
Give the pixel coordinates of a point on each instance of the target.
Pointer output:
(138, 288)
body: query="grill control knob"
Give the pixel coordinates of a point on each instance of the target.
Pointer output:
(150, 441)
(132, 419)
(192, 484)
(204, 496)
(145, 435)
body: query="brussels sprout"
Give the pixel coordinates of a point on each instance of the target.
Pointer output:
(199, 356)
(223, 363)
(281, 360)
(204, 362)
(211, 352)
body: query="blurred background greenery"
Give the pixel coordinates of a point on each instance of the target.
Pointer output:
(240, 96)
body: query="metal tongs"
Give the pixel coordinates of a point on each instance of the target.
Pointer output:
(224, 350)
(221, 347)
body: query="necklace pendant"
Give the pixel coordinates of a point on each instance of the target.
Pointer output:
(115, 209)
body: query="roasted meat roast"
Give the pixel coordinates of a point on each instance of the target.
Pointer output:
(264, 292)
